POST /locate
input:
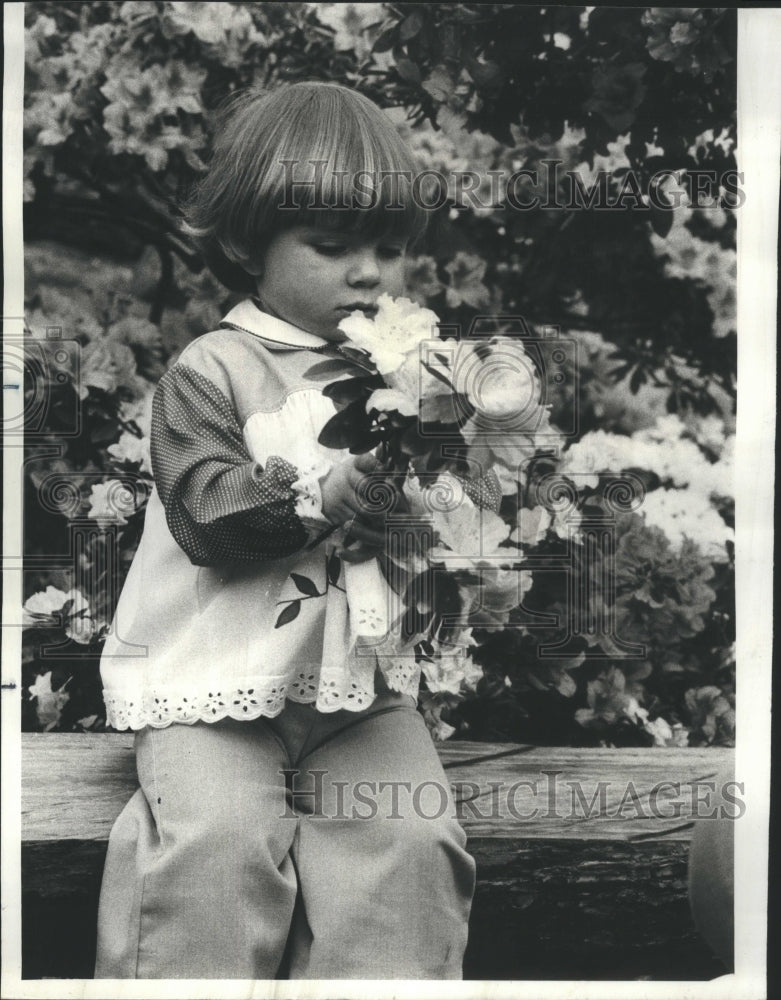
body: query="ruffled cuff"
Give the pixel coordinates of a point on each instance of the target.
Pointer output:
(309, 497)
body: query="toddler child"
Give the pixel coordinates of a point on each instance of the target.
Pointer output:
(247, 851)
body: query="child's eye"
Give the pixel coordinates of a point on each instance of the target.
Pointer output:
(391, 252)
(330, 249)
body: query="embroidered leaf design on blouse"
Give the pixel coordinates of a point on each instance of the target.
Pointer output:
(305, 585)
(289, 614)
(334, 568)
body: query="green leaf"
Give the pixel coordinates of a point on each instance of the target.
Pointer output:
(358, 356)
(410, 27)
(103, 435)
(487, 74)
(412, 443)
(305, 585)
(387, 39)
(408, 70)
(346, 426)
(439, 84)
(326, 368)
(348, 390)
(334, 568)
(289, 614)
(638, 378)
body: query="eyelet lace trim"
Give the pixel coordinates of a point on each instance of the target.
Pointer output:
(262, 697)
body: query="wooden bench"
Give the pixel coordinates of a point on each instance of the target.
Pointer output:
(592, 886)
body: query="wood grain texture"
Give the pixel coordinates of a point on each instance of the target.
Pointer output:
(569, 893)
(74, 786)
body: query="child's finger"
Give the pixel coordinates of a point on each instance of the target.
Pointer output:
(361, 532)
(367, 463)
(371, 519)
(358, 553)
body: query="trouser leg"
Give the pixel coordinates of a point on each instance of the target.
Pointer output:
(386, 896)
(198, 880)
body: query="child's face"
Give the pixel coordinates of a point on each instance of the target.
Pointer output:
(313, 278)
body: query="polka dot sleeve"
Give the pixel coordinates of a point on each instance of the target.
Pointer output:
(220, 504)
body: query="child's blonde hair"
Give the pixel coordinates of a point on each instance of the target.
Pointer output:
(313, 153)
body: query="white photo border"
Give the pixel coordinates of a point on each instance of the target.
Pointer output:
(758, 151)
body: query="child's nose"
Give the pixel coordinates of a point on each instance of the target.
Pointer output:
(364, 269)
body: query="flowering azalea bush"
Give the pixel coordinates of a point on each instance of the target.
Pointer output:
(119, 102)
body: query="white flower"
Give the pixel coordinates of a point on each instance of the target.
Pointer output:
(663, 733)
(660, 449)
(660, 730)
(532, 526)
(688, 514)
(452, 668)
(598, 451)
(131, 448)
(468, 533)
(502, 385)
(466, 272)
(46, 604)
(81, 629)
(439, 729)
(710, 431)
(109, 365)
(443, 674)
(350, 21)
(392, 400)
(111, 503)
(413, 493)
(44, 609)
(49, 704)
(503, 589)
(397, 331)
(135, 331)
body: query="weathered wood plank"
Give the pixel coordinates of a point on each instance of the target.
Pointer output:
(542, 910)
(584, 910)
(568, 893)
(75, 785)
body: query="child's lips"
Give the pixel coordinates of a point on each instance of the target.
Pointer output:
(365, 307)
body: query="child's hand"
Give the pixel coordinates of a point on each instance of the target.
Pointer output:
(342, 506)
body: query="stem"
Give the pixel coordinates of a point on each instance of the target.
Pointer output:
(303, 597)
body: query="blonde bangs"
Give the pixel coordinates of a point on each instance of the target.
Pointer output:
(309, 153)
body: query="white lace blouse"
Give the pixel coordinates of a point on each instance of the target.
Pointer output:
(235, 602)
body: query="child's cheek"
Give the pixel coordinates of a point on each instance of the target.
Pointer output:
(394, 282)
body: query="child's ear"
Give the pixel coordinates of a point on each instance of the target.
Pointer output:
(252, 267)
(255, 268)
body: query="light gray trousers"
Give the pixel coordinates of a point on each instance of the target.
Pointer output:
(228, 864)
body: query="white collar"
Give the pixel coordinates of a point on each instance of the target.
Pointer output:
(279, 334)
